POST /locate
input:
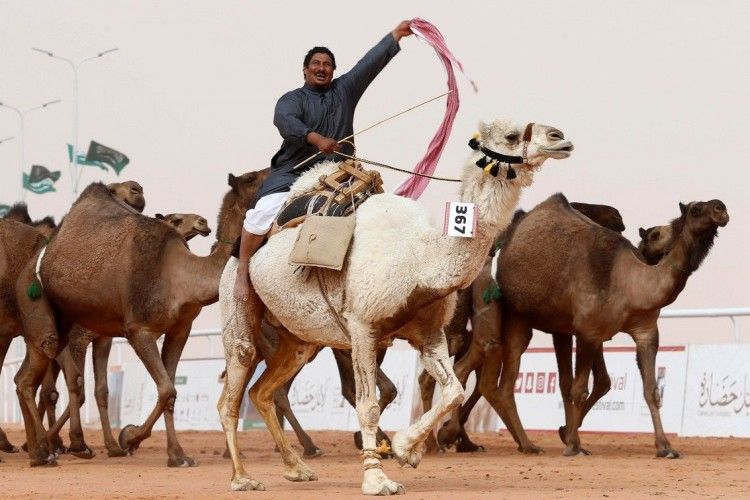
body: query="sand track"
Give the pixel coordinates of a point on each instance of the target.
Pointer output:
(622, 466)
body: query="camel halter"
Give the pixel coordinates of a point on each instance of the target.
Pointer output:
(492, 160)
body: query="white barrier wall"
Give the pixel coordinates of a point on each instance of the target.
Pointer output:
(623, 409)
(717, 391)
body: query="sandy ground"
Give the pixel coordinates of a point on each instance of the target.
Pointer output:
(622, 466)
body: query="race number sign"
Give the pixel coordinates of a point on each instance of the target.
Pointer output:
(460, 219)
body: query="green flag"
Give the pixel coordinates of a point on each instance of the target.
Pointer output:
(40, 180)
(81, 159)
(103, 154)
(4, 209)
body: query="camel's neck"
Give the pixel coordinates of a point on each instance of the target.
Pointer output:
(463, 258)
(231, 215)
(201, 275)
(654, 287)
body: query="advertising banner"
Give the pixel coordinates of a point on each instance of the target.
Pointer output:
(717, 391)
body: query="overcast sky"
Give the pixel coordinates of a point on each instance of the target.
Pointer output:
(653, 94)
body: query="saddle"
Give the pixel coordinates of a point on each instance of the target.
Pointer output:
(335, 195)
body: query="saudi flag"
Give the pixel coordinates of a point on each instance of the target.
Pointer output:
(40, 180)
(106, 155)
(4, 209)
(81, 159)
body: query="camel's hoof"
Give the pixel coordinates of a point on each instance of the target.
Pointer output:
(464, 446)
(300, 472)
(376, 483)
(116, 452)
(181, 462)
(125, 439)
(246, 484)
(531, 449)
(9, 448)
(49, 461)
(86, 453)
(446, 437)
(572, 451)
(25, 447)
(405, 454)
(314, 453)
(562, 431)
(668, 453)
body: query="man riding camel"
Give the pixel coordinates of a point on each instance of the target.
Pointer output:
(311, 118)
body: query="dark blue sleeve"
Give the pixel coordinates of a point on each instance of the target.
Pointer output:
(288, 118)
(355, 82)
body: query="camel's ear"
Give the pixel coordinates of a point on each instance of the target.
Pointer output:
(232, 181)
(683, 208)
(642, 233)
(159, 216)
(484, 130)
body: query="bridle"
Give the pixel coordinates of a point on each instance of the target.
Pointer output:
(492, 160)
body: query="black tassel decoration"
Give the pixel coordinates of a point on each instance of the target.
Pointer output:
(474, 144)
(495, 169)
(511, 173)
(482, 162)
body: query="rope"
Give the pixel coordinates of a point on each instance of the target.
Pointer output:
(378, 164)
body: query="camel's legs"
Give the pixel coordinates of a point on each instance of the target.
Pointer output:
(364, 366)
(284, 409)
(27, 379)
(289, 357)
(100, 357)
(238, 373)
(516, 338)
(602, 383)
(72, 359)
(5, 340)
(174, 343)
(144, 344)
(449, 432)
(579, 392)
(348, 388)
(48, 393)
(647, 345)
(426, 391)
(563, 345)
(463, 443)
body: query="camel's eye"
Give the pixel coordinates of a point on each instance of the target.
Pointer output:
(511, 137)
(695, 210)
(654, 235)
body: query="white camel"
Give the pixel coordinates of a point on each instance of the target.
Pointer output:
(399, 282)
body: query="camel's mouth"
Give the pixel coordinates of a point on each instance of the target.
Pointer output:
(558, 151)
(204, 231)
(722, 220)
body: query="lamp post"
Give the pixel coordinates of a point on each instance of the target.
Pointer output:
(21, 126)
(74, 66)
(6, 139)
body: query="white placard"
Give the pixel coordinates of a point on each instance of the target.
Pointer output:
(717, 391)
(460, 219)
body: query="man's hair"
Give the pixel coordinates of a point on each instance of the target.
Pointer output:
(318, 50)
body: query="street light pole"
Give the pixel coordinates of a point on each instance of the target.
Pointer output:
(21, 127)
(75, 177)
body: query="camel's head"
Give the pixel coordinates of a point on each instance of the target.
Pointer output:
(246, 186)
(604, 215)
(525, 147)
(19, 212)
(701, 216)
(188, 225)
(656, 242)
(129, 192)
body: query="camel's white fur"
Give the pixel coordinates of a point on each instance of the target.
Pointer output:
(396, 255)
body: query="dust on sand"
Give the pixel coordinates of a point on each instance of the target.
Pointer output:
(622, 466)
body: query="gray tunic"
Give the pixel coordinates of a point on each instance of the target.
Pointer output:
(329, 112)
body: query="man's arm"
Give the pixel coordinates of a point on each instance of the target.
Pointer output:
(356, 81)
(288, 119)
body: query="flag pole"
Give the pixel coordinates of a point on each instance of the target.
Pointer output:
(375, 125)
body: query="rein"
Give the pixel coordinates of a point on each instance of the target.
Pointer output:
(492, 165)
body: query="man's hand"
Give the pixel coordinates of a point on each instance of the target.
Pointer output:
(403, 29)
(324, 144)
(242, 286)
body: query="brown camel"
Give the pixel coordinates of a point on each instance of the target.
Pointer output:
(598, 286)
(187, 226)
(476, 305)
(141, 280)
(25, 243)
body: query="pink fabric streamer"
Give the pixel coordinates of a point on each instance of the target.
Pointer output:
(414, 186)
